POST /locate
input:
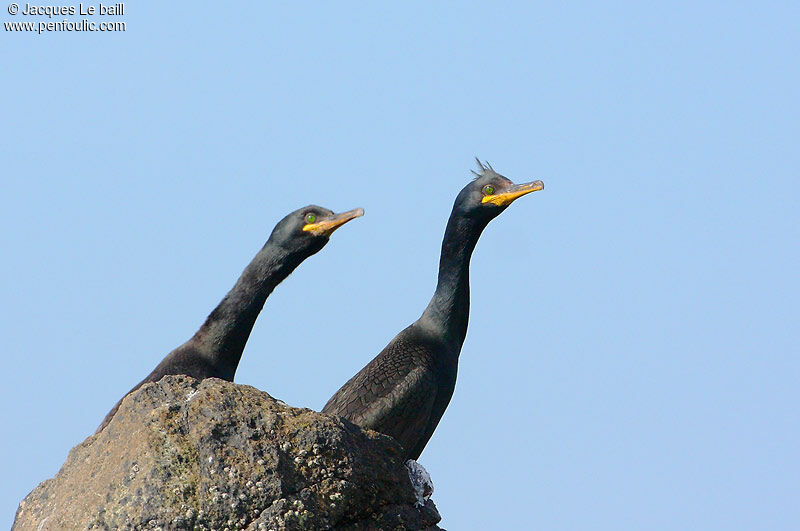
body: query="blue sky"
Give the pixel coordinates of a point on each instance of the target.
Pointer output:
(632, 358)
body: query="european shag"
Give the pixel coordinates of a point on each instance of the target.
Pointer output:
(404, 391)
(216, 348)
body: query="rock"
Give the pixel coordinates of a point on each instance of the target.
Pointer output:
(420, 482)
(211, 454)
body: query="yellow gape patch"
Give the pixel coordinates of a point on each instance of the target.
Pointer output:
(327, 226)
(504, 198)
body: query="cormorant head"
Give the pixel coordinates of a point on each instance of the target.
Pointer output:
(490, 193)
(308, 229)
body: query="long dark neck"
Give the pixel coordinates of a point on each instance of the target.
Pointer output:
(223, 336)
(448, 312)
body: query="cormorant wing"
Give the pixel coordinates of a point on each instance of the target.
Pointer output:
(393, 394)
(404, 412)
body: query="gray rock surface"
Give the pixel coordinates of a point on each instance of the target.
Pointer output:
(188, 454)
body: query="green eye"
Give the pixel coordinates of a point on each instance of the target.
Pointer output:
(311, 218)
(488, 189)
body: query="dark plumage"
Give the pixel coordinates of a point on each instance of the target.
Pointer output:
(404, 391)
(216, 348)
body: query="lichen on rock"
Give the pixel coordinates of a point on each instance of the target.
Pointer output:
(211, 454)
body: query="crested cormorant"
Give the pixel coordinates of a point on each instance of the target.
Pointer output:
(216, 348)
(405, 389)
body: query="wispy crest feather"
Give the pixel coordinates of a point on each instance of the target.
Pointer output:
(485, 167)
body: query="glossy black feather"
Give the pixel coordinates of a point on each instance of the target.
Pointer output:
(401, 392)
(404, 391)
(216, 348)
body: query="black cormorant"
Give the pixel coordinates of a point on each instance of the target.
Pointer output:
(404, 391)
(216, 348)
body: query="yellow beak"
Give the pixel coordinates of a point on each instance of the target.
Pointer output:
(326, 226)
(518, 190)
